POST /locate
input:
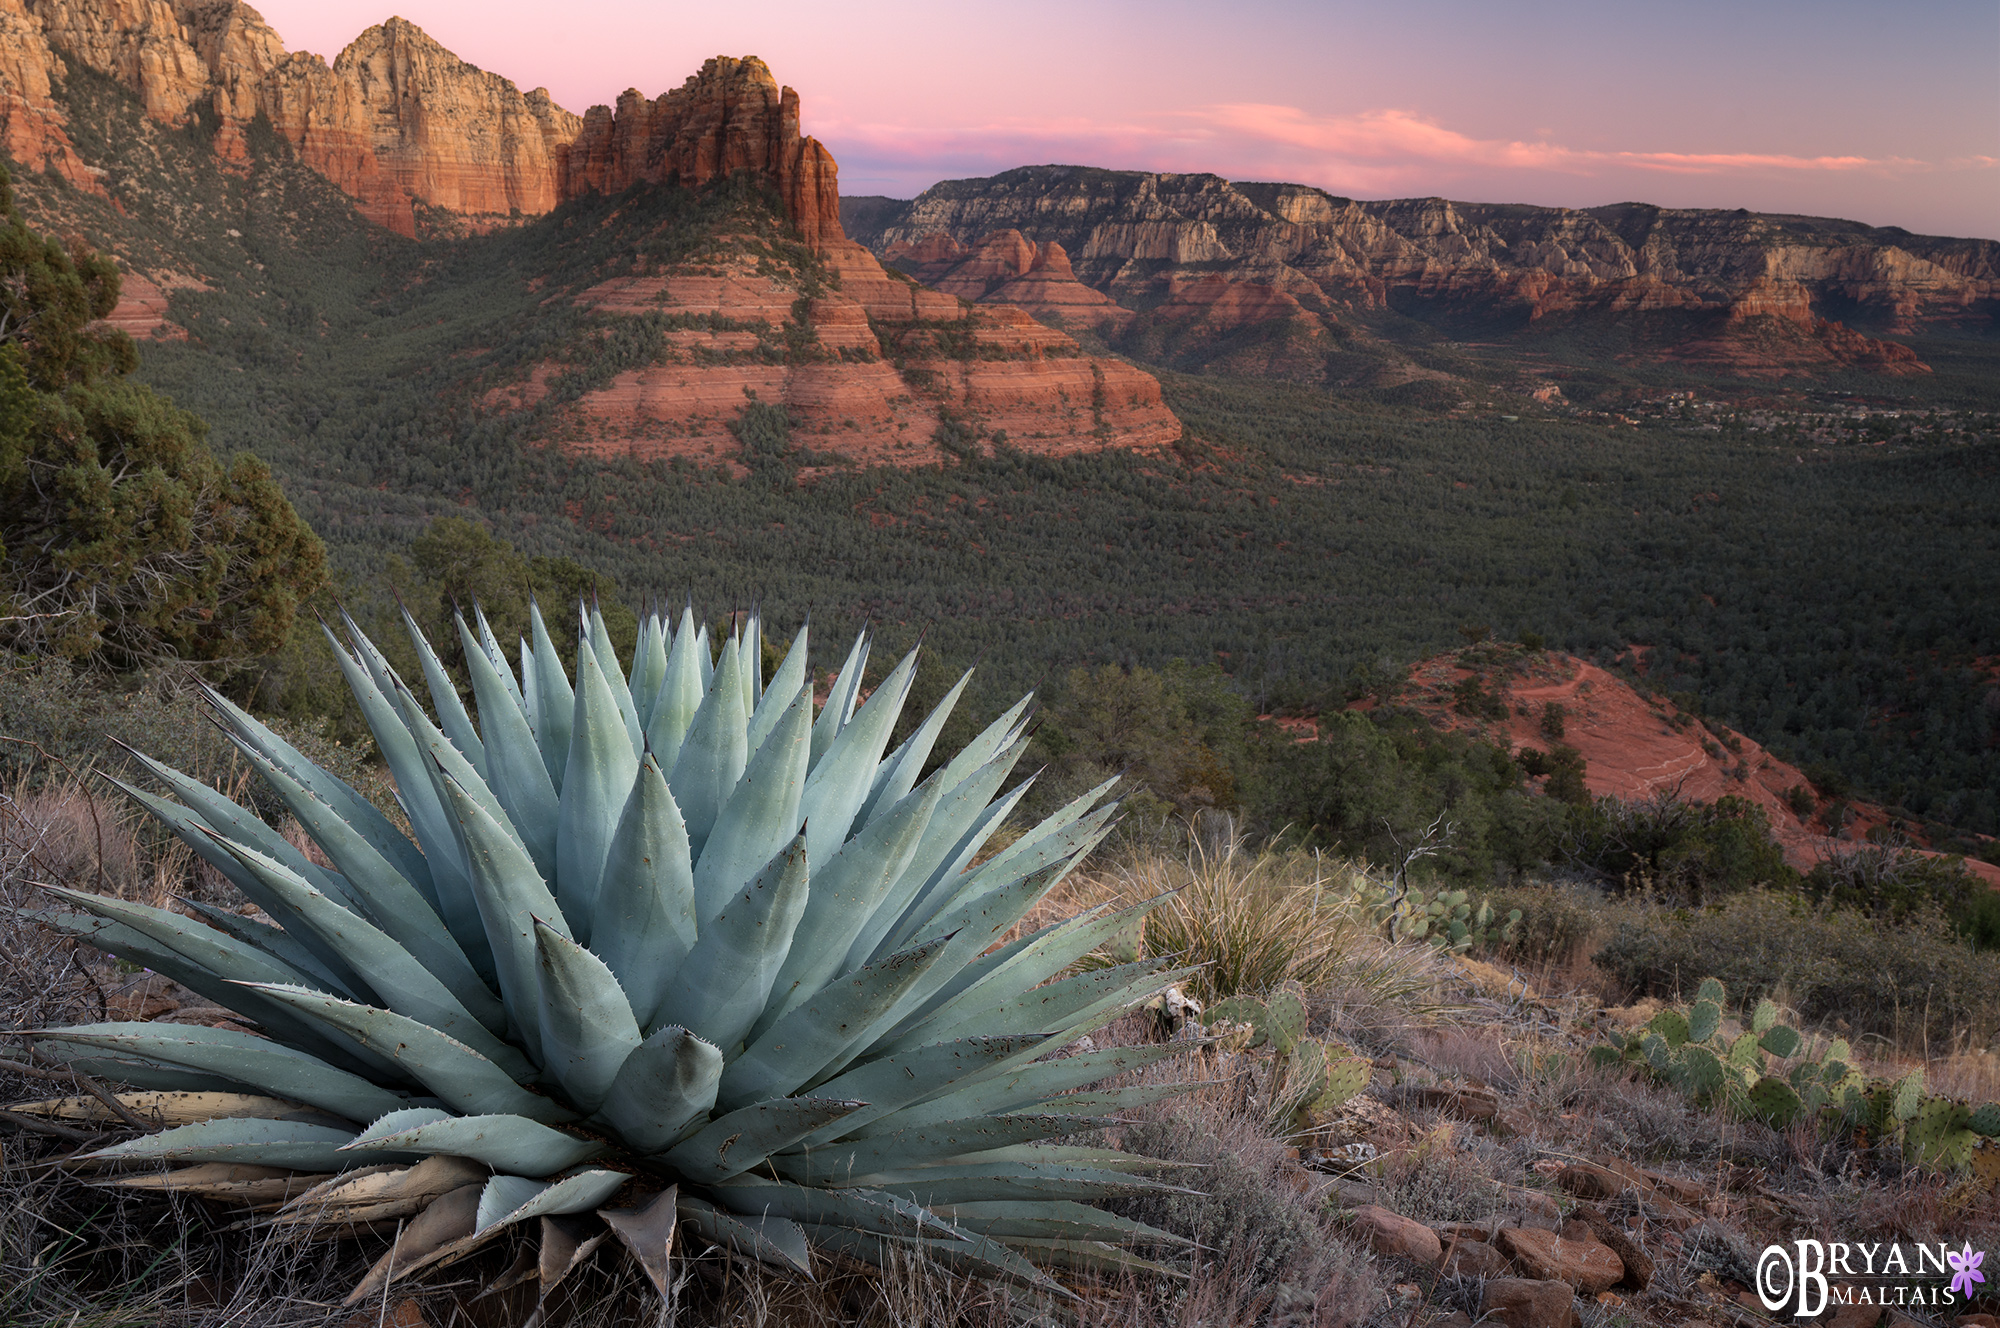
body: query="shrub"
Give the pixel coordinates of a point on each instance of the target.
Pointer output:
(1554, 713)
(1556, 921)
(1893, 884)
(1686, 851)
(1908, 983)
(1564, 767)
(123, 539)
(1252, 1221)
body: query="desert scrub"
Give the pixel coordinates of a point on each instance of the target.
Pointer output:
(1915, 984)
(1557, 922)
(56, 721)
(1255, 920)
(1262, 1237)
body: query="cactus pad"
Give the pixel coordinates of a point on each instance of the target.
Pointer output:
(1671, 1025)
(1241, 1010)
(1744, 1053)
(1711, 990)
(1703, 1020)
(1344, 1079)
(1286, 1021)
(1781, 1041)
(1701, 1072)
(1764, 1017)
(1773, 1100)
(1939, 1136)
(1986, 1120)
(1985, 1162)
(1128, 944)
(1908, 1095)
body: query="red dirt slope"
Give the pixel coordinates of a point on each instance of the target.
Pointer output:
(1635, 746)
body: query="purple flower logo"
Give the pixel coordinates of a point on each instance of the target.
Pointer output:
(1965, 1269)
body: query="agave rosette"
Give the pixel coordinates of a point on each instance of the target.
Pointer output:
(667, 939)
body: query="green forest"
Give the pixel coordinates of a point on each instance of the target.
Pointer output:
(1840, 604)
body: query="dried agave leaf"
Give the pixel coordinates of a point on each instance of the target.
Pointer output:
(227, 1182)
(433, 1234)
(376, 1194)
(169, 1109)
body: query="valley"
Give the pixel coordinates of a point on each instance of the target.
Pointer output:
(1078, 416)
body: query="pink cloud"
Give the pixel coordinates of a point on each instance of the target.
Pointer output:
(1371, 151)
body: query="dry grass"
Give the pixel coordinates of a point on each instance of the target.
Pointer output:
(1253, 920)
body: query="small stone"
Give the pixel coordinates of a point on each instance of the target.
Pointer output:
(402, 1313)
(1398, 1237)
(1521, 1302)
(1532, 1201)
(1585, 1265)
(1976, 1321)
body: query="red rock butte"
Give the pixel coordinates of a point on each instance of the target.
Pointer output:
(419, 139)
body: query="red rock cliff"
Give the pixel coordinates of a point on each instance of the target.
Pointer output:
(730, 117)
(396, 121)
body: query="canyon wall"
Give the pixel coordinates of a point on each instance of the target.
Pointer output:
(398, 122)
(730, 117)
(1291, 251)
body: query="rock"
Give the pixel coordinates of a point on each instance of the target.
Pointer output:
(1354, 1193)
(34, 129)
(1473, 1104)
(1473, 1258)
(402, 1313)
(1851, 1316)
(728, 118)
(1397, 1237)
(1586, 1265)
(1728, 290)
(1674, 1187)
(1531, 1201)
(1976, 1321)
(1587, 1180)
(1638, 1264)
(1523, 1303)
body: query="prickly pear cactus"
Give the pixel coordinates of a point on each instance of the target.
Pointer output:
(1241, 1010)
(1286, 1018)
(1986, 1120)
(1775, 1101)
(1940, 1136)
(1703, 1020)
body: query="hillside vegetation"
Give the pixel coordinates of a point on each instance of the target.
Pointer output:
(1835, 601)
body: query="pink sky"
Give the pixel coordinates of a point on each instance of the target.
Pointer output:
(1883, 114)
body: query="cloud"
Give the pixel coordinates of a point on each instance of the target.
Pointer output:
(1378, 151)
(1397, 139)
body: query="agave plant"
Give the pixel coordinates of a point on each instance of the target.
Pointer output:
(665, 946)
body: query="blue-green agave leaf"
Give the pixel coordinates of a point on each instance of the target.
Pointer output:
(645, 922)
(722, 986)
(587, 1024)
(668, 1082)
(512, 1144)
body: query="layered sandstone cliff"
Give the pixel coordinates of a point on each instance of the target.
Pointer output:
(33, 127)
(1760, 290)
(870, 373)
(397, 121)
(730, 117)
